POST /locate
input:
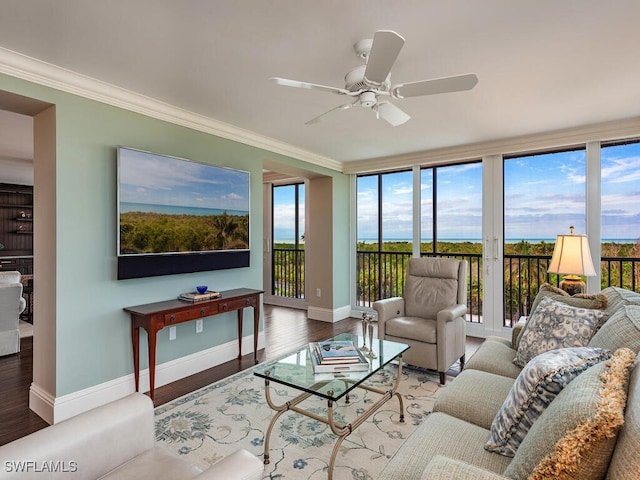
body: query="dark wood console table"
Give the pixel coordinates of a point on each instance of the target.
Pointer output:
(155, 316)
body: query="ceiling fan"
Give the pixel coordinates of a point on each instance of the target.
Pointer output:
(369, 85)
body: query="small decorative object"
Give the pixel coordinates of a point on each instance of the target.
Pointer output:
(365, 316)
(202, 289)
(23, 214)
(370, 329)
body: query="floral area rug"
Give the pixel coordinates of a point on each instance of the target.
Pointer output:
(209, 424)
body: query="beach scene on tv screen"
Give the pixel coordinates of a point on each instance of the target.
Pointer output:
(171, 205)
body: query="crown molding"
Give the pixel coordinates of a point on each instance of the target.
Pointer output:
(33, 70)
(601, 132)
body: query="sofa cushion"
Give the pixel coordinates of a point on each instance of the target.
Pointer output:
(587, 448)
(618, 297)
(621, 330)
(445, 468)
(441, 434)
(495, 355)
(597, 301)
(537, 385)
(575, 404)
(474, 396)
(556, 325)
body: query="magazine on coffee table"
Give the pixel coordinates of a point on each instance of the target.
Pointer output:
(352, 364)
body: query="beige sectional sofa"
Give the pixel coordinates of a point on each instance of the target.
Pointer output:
(576, 436)
(115, 440)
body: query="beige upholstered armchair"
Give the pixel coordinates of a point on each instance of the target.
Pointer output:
(431, 315)
(11, 306)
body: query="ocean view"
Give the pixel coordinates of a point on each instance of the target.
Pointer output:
(126, 207)
(475, 240)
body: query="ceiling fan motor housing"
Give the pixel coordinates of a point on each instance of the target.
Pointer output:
(354, 81)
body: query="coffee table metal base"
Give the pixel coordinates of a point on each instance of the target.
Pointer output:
(341, 431)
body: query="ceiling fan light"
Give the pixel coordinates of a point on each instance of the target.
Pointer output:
(367, 99)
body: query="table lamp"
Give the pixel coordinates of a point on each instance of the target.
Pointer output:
(571, 256)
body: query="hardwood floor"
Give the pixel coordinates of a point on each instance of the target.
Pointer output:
(285, 330)
(16, 373)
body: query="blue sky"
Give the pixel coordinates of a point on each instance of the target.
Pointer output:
(284, 212)
(160, 180)
(544, 195)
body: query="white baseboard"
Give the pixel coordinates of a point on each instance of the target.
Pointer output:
(285, 302)
(41, 402)
(329, 315)
(55, 409)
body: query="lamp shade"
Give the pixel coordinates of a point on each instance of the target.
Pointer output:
(572, 256)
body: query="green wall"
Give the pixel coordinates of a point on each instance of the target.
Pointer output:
(92, 332)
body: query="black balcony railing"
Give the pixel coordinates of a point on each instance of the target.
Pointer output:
(382, 275)
(621, 272)
(288, 272)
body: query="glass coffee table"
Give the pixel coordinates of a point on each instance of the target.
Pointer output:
(296, 371)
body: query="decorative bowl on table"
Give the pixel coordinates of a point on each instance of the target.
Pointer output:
(202, 289)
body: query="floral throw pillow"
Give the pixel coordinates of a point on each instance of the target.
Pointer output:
(540, 381)
(556, 325)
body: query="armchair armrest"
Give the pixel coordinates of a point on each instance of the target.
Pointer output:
(240, 465)
(22, 306)
(387, 309)
(450, 313)
(445, 468)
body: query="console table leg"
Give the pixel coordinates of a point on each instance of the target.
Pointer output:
(151, 336)
(135, 342)
(256, 322)
(240, 316)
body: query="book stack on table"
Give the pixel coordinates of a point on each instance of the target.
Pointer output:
(337, 356)
(198, 297)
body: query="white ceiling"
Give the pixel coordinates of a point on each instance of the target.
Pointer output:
(543, 65)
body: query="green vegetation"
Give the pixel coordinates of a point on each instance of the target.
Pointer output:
(288, 270)
(143, 232)
(381, 274)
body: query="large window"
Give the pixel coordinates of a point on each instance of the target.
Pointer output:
(502, 215)
(384, 233)
(544, 195)
(288, 241)
(451, 225)
(620, 221)
(451, 222)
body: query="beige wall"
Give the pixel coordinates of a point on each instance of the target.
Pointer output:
(319, 241)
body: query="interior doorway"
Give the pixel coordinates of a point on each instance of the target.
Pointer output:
(28, 139)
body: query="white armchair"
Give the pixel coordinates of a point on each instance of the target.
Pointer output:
(11, 306)
(430, 318)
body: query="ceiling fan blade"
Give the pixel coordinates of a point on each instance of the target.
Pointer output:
(341, 107)
(384, 51)
(392, 114)
(310, 86)
(432, 87)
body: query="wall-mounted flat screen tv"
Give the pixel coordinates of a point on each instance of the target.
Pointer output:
(179, 216)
